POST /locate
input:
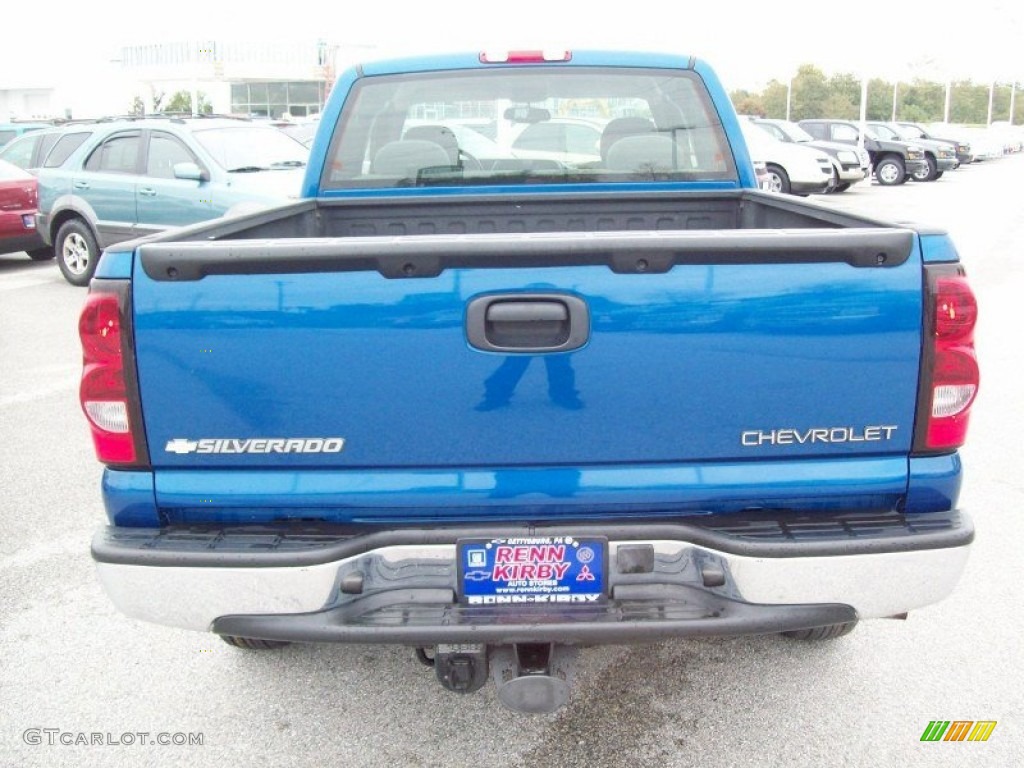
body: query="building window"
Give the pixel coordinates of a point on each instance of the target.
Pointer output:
(274, 99)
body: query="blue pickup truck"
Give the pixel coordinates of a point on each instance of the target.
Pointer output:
(495, 402)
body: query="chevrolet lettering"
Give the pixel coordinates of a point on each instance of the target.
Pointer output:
(756, 437)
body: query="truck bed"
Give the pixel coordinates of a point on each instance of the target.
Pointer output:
(312, 229)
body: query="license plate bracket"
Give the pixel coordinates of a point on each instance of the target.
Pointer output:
(558, 570)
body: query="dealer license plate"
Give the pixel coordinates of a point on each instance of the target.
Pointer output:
(537, 569)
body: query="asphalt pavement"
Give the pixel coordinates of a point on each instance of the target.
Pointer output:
(73, 670)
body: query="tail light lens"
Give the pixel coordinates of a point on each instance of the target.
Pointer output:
(109, 390)
(956, 310)
(950, 374)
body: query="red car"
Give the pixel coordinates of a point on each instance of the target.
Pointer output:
(19, 201)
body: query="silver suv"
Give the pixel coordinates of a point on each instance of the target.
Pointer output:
(132, 177)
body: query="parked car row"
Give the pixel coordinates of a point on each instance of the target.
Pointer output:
(848, 164)
(893, 160)
(100, 182)
(103, 182)
(792, 168)
(891, 152)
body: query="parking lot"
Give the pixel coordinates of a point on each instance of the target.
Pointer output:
(71, 665)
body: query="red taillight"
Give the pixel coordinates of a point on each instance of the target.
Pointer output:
(956, 310)
(99, 328)
(107, 380)
(524, 57)
(951, 377)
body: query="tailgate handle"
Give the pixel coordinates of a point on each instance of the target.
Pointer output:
(527, 312)
(528, 323)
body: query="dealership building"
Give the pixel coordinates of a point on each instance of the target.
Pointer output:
(258, 79)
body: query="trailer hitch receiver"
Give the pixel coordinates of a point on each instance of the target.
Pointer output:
(534, 678)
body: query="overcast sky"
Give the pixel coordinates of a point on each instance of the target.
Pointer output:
(747, 42)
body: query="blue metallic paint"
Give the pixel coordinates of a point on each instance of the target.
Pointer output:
(934, 484)
(115, 264)
(712, 350)
(502, 494)
(937, 248)
(130, 498)
(230, 496)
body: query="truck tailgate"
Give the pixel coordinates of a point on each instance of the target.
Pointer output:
(703, 361)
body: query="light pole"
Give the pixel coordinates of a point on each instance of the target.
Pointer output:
(895, 97)
(195, 80)
(863, 110)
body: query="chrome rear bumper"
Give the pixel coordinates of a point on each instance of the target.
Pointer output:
(399, 586)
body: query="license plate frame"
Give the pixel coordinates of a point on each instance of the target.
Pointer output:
(525, 570)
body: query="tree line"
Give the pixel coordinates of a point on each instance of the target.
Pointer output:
(815, 94)
(180, 103)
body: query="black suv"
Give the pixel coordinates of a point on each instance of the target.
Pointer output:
(893, 161)
(940, 157)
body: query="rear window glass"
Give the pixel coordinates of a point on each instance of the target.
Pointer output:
(20, 152)
(118, 154)
(528, 125)
(62, 150)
